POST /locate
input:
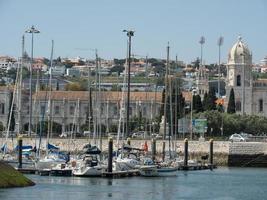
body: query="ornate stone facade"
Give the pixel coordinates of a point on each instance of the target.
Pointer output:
(250, 95)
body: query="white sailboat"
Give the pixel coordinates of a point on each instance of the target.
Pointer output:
(123, 161)
(53, 157)
(88, 164)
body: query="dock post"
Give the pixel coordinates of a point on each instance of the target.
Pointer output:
(153, 149)
(129, 141)
(163, 151)
(20, 152)
(110, 152)
(186, 153)
(211, 153)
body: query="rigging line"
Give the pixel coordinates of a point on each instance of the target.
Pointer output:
(10, 113)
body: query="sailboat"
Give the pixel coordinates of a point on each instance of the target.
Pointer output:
(53, 156)
(27, 157)
(124, 159)
(162, 168)
(88, 163)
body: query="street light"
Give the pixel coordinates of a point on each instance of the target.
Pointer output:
(220, 43)
(32, 31)
(130, 34)
(201, 41)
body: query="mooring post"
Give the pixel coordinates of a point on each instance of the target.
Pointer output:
(20, 152)
(129, 141)
(211, 153)
(185, 152)
(110, 154)
(153, 149)
(163, 151)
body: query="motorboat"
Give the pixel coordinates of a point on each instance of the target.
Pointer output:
(88, 164)
(157, 170)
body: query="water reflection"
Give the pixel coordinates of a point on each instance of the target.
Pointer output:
(187, 185)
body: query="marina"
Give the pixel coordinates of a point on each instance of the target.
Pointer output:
(131, 100)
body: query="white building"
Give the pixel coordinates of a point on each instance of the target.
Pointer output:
(73, 72)
(250, 95)
(57, 70)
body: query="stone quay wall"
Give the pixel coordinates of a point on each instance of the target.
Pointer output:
(225, 152)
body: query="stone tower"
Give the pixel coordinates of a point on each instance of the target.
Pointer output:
(239, 77)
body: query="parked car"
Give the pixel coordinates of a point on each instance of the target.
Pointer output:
(237, 138)
(247, 136)
(139, 135)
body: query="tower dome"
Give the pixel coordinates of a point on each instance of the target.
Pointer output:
(239, 53)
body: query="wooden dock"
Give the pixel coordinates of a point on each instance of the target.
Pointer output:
(27, 170)
(119, 174)
(196, 167)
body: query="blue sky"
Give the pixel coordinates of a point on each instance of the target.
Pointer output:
(77, 26)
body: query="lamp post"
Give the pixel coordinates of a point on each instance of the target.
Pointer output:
(202, 42)
(220, 43)
(200, 70)
(32, 31)
(130, 34)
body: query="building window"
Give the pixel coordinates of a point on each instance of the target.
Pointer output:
(144, 110)
(238, 106)
(115, 110)
(28, 110)
(71, 110)
(2, 108)
(57, 110)
(130, 110)
(260, 105)
(102, 109)
(42, 108)
(86, 110)
(238, 80)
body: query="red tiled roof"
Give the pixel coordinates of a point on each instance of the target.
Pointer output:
(105, 95)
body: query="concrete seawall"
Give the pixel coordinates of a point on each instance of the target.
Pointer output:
(225, 152)
(77, 144)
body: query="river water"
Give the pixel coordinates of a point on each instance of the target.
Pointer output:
(219, 184)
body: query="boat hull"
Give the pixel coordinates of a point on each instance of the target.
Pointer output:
(88, 171)
(154, 171)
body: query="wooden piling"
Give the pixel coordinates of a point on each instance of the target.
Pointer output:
(153, 149)
(211, 152)
(110, 154)
(186, 153)
(163, 151)
(129, 141)
(19, 153)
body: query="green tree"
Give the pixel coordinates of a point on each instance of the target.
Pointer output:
(197, 104)
(117, 68)
(205, 101)
(231, 103)
(211, 100)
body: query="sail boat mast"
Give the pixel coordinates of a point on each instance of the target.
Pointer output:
(20, 85)
(49, 96)
(166, 92)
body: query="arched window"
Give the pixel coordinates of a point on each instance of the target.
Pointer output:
(238, 106)
(260, 105)
(238, 80)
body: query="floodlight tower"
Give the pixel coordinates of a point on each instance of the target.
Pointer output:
(220, 43)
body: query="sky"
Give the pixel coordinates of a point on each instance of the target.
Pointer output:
(78, 26)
